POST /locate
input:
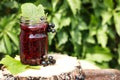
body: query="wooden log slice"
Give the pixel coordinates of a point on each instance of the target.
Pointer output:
(66, 68)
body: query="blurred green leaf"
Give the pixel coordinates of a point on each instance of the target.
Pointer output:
(7, 24)
(56, 22)
(108, 3)
(10, 25)
(50, 37)
(106, 16)
(54, 3)
(7, 44)
(62, 38)
(103, 65)
(43, 2)
(117, 22)
(98, 7)
(1, 34)
(98, 57)
(74, 5)
(111, 33)
(58, 16)
(119, 52)
(14, 66)
(76, 37)
(3, 22)
(90, 39)
(93, 26)
(63, 7)
(82, 26)
(13, 37)
(98, 54)
(102, 37)
(11, 4)
(2, 47)
(117, 8)
(77, 50)
(65, 22)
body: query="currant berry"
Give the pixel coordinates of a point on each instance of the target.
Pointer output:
(48, 62)
(44, 63)
(53, 61)
(51, 25)
(50, 58)
(53, 31)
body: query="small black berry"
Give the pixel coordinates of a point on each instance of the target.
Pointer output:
(53, 31)
(44, 63)
(49, 30)
(53, 61)
(50, 58)
(48, 62)
(51, 25)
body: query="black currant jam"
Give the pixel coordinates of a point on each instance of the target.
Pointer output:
(33, 42)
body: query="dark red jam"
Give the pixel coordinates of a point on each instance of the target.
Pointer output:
(33, 42)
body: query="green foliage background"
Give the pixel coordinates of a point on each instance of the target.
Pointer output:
(87, 29)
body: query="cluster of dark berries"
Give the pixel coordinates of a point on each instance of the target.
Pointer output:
(48, 61)
(50, 25)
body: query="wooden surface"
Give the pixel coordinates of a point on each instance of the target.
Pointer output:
(66, 68)
(102, 74)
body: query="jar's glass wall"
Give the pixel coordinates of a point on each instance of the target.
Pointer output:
(33, 41)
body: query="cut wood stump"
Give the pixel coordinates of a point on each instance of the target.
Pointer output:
(66, 68)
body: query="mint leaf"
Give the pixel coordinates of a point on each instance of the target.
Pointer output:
(32, 12)
(15, 66)
(40, 11)
(29, 10)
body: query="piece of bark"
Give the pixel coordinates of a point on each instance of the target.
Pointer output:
(102, 74)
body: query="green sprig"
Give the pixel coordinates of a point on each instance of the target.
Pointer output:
(32, 12)
(15, 66)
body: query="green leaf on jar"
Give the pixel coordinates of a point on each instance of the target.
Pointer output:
(32, 12)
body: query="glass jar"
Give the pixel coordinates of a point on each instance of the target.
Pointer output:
(33, 41)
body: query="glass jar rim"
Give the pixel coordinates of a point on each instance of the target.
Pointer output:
(26, 20)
